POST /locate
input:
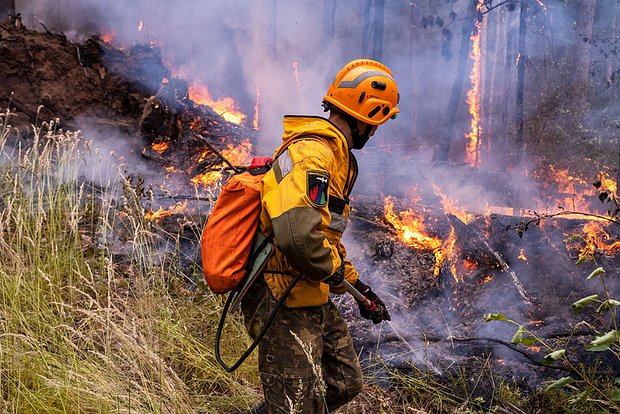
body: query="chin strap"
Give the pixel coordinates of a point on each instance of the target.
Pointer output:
(359, 140)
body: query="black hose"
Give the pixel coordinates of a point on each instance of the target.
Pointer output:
(220, 327)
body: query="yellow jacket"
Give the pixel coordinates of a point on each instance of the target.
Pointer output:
(305, 203)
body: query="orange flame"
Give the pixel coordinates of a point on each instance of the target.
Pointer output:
(608, 184)
(296, 73)
(255, 121)
(594, 238)
(450, 207)
(573, 193)
(522, 256)
(470, 264)
(140, 25)
(107, 37)
(575, 189)
(410, 228)
(473, 96)
(161, 213)
(239, 155)
(224, 107)
(160, 146)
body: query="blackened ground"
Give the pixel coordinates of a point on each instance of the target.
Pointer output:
(438, 322)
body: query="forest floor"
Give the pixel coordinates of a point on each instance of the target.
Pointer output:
(98, 317)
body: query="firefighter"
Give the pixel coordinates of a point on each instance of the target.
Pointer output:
(307, 362)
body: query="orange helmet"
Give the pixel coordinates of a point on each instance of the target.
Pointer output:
(366, 90)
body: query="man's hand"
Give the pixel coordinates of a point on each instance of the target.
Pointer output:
(337, 277)
(377, 312)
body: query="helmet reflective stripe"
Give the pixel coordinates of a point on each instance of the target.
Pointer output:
(361, 77)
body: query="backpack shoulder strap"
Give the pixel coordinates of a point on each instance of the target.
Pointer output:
(292, 141)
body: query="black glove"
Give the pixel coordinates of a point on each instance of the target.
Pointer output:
(337, 277)
(376, 311)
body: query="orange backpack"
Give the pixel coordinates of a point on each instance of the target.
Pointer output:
(229, 233)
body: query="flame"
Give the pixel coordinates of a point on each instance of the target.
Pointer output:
(522, 255)
(161, 213)
(608, 184)
(574, 197)
(594, 239)
(160, 146)
(535, 348)
(107, 37)
(255, 121)
(450, 207)
(296, 73)
(140, 25)
(236, 155)
(224, 107)
(487, 279)
(207, 179)
(470, 264)
(473, 96)
(450, 250)
(410, 228)
(572, 192)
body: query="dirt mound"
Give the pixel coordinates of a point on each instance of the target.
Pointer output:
(46, 76)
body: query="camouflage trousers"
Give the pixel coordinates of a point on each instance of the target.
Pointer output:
(306, 361)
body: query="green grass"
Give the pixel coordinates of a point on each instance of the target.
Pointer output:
(80, 333)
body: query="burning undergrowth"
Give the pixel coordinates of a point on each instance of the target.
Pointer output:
(442, 273)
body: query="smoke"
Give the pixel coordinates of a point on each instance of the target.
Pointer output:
(289, 51)
(112, 149)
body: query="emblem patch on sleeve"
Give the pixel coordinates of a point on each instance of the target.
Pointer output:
(318, 184)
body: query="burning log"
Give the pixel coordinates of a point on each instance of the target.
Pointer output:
(472, 238)
(437, 320)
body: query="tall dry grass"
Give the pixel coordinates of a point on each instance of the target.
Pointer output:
(80, 332)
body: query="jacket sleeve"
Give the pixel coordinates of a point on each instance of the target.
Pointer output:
(350, 273)
(300, 216)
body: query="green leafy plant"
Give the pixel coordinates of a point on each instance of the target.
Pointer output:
(581, 384)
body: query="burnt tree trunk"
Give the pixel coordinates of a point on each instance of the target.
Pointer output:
(373, 27)
(581, 66)
(506, 87)
(494, 51)
(273, 29)
(377, 38)
(414, 16)
(329, 21)
(366, 28)
(442, 151)
(7, 9)
(519, 141)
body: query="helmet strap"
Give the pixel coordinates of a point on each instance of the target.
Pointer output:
(359, 140)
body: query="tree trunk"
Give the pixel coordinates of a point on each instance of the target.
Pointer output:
(414, 76)
(494, 51)
(442, 150)
(366, 29)
(7, 8)
(581, 66)
(377, 39)
(506, 90)
(519, 146)
(273, 30)
(329, 21)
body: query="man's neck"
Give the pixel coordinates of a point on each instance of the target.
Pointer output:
(341, 123)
